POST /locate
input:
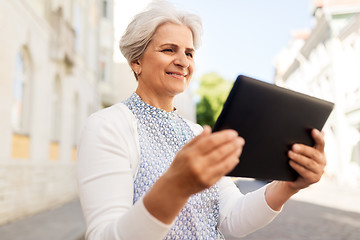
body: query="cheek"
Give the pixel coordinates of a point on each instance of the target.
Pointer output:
(154, 63)
(191, 68)
(192, 65)
(160, 61)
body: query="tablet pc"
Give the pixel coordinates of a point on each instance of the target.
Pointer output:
(270, 119)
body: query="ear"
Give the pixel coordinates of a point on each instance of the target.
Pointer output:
(136, 67)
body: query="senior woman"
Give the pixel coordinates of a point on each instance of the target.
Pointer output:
(146, 173)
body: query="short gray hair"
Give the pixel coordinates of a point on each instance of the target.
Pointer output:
(141, 29)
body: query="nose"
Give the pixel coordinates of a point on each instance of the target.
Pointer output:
(182, 60)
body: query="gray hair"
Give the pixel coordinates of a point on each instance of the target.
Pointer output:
(141, 29)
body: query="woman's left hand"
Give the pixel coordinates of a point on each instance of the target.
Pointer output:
(308, 161)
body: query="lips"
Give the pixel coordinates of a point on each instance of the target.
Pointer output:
(177, 74)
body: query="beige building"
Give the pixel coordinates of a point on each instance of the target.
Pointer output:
(54, 54)
(324, 62)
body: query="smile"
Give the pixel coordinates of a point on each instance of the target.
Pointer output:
(177, 74)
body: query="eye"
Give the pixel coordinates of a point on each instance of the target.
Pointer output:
(167, 50)
(189, 54)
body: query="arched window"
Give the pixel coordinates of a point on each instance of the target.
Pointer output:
(21, 93)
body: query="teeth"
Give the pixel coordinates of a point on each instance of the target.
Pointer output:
(177, 74)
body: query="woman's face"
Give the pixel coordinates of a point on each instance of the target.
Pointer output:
(166, 67)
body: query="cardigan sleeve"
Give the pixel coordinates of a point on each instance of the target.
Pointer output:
(241, 214)
(105, 181)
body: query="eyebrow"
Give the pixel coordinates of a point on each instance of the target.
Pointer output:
(174, 45)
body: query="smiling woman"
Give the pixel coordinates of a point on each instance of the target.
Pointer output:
(143, 174)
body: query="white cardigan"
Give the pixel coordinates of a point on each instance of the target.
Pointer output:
(108, 159)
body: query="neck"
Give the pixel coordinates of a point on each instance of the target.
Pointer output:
(156, 100)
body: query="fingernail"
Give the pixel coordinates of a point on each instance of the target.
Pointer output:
(234, 133)
(296, 147)
(206, 128)
(291, 153)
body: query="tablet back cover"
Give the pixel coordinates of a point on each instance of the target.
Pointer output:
(270, 119)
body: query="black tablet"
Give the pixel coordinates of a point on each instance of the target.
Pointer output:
(270, 119)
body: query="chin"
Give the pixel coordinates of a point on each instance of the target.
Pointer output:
(179, 90)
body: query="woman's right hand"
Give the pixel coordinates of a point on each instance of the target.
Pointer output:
(205, 159)
(197, 166)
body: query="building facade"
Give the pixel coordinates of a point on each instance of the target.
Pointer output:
(324, 62)
(53, 56)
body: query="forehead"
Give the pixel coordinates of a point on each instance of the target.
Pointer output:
(173, 33)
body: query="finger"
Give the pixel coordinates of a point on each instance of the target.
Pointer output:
(214, 140)
(223, 151)
(319, 139)
(305, 162)
(208, 174)
(225, 165)
(310, 176)
(206, 131)
(308, 151)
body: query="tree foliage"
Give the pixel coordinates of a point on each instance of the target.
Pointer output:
(213, 91)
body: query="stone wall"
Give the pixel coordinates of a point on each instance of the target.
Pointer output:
(28, 188)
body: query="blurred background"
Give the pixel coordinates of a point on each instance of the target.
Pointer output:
(59, 62)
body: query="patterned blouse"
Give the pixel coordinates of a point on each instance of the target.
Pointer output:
(161, 135)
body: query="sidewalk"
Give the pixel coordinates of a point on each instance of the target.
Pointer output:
(331, 194)
(63, 223)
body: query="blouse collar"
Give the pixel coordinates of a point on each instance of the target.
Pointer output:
(148, 109)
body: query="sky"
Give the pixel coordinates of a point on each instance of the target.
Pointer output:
(239, 36)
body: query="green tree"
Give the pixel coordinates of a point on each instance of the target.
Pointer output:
(213, 91)
(204, 112)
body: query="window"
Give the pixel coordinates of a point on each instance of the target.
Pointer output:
(105, 9)
(56, 109)
(21, 93)
(76, 121)
(103, 65)
(355, 156)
